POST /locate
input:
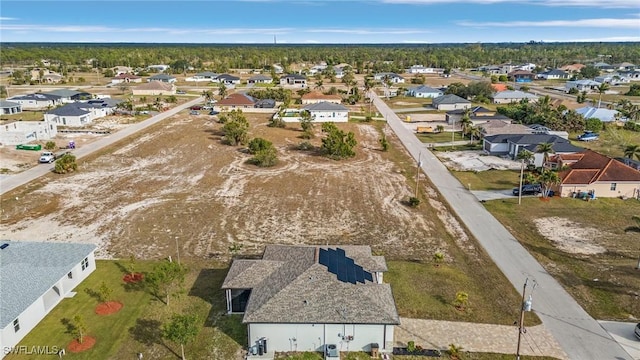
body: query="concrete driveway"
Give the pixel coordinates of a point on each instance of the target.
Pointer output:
(622, 332)
(486, 195)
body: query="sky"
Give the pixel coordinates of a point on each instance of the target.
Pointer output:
(320, 21)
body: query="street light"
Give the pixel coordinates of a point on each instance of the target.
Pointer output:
(525, 306)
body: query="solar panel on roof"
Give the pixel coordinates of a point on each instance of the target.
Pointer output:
(345, 268)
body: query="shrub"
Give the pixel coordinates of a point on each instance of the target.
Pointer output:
(50, 145)
(414, 201)
(67, 163)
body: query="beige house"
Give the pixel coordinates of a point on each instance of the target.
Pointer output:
(315, 97)
(597, 175)
(154, 88)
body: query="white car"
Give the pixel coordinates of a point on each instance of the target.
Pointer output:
(47, 157)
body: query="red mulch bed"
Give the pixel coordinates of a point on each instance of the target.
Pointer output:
(133, 278)
(109, 307)
(87, 343)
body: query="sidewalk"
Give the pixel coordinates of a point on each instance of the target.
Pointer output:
(502, 339)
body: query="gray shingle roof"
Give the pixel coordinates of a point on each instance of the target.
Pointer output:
(514, 94)
(450, 99)
(227, 77)
(260, 77)
(424, 89)
(30, 269)
(161, 77)
(37, 96)
(8, 104)
(289, 285)
(68, 110)
(326, 106)
(65, 93)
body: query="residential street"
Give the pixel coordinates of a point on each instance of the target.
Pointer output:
(580, 336)
(13, 181)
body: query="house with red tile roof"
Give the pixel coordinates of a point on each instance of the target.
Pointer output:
(126, 78)
(235, 101)
(598, 174)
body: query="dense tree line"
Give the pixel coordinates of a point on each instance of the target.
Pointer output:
(363, 58)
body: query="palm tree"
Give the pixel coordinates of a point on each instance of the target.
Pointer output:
(601, 89)
(222, 90)
(368, 86)
(632, 150)
(547, 180)
(319, 85)
(545, 149)
(474, 132)
(525, 155)
(465, 123)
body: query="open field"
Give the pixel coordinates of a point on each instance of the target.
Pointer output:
(590, 247)
(489, 179)
(612, 141)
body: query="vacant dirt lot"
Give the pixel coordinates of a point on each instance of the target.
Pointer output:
(179, 185)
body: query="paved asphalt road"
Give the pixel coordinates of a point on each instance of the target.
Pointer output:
(11, 182)
(580, 336)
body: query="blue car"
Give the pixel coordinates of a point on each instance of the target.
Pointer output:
(588, 136)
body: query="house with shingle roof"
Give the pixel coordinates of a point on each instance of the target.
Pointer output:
(296, 80)
(554, 74)
(512, 144)
(36, 101)
(601, 175)
(510, 96)
(477, 114)
(163, 78)
(450, 102)
(227, 79)
(10, 107)
(260, 79)
(315, 97)
(582, 85)
(521, 76)
(328, 112)
(126, 78)
(424, 91)
(36, 276)
(303, 298)
(235, 101)
(602, 114)
(393, 77)
(202, 76)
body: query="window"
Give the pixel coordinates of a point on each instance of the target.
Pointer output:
(85, 263)
(613, 186)
(16, 325)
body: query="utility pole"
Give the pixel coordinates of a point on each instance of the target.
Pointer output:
(521, 176)
(419, 164)
(525, 306)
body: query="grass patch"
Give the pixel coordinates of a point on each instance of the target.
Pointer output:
(425, 291)
(464, 355)
(612, 141)
(25, 115)
(442, 137)
(489, 180)
(463, 147)
(614, 294)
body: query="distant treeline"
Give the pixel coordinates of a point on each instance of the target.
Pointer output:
(379, 57)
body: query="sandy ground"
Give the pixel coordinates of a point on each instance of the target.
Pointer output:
(475, 161)
(178, 186)
(571, 237)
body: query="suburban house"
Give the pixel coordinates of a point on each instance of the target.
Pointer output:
(629, 162)
(23, 132)
(260, 79)
(202, 76)
(154, 88)
(573, 68)
(612, 79)
(278, 69)
(67, 95)
(315, 97)
(9, 107)
(81, 113)
(603, 114)
(392, 77)
(305, 298)
(328, 112)
(490, 128)
(510, 96)
(450, 102)
(419, 69)
(477, 114)
(36, 276)
(423, 91)
(599, 175)
(119, 70)
(36, 101)
(296, 80)
(126, 78)
(555, 74)
(626, 66)
(227, 79)
(52, 78)
(521, 76)
(235, 101)
(582, 85)
(602, 66)
(158, 68)
(163, 78)
(512, 144)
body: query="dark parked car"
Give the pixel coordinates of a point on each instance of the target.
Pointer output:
(637, 331)
(528, 189)
(196, 107)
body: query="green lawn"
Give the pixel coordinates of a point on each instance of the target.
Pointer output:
(489, 180)
(464, 355)
(24, 116)
(604, 284)
(442, 137)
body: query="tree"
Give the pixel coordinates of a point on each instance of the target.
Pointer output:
(222, 90)
(368, 86)
(461, 300)
(545, 149)
(236, 128)
(601, 90)
(104, 292)
(264, 153)
(79, 328)
(634, 90)
(67, 163)
(474, 133)
(525, 155)
(182, 329)
(337, 144)
(593, 124)
(547, 180)
(632, 150)
(589, 72)
(440, 128)
(466, 123)
(384, 142)
(306, 123)
(164, 278)
(50, 145)
(207, 95)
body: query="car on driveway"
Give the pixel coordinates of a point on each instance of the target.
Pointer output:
(196, 107)
(528, 189)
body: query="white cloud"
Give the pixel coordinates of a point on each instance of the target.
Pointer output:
(107, 29)
(593, 23)
(565, 3)
(2, 18)
(367, 31)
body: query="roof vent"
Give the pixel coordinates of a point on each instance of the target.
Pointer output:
(4, 246)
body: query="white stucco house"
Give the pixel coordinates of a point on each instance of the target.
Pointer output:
(450, 102)
(603, 114)
(9, 107)
(424, 91)
(36, 101)
(202, 76)
(509, 96)
(392, 77)
(305, 298)
(36, 276)
(582, 85)
(24, 132)
(328, 112)
(420, 69)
